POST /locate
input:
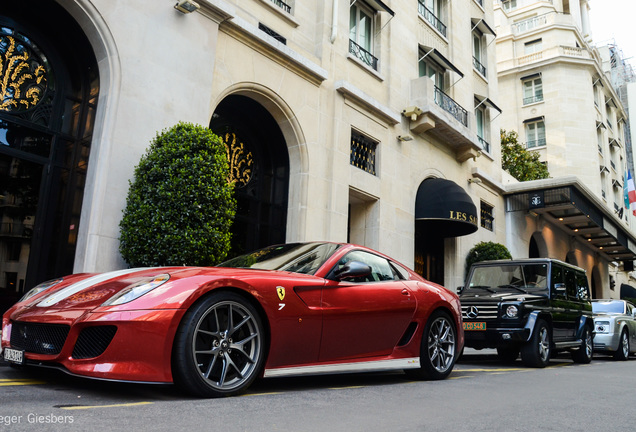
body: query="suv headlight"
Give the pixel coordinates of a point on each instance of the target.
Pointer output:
(602, 326)
(511, 311)
(136, 290)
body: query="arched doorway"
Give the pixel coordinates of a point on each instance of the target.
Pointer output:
(537, 247)
(48, 98)
(443, 209)
(260, 167)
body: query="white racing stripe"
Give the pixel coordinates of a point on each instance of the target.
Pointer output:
(378, 365)
(86, 283)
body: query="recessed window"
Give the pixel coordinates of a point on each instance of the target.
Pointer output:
(532, 91)
(361, 25)
(433, 11)
(479, 53)
(533, 46)
(487, 216)
(535, 133)
(362, 152)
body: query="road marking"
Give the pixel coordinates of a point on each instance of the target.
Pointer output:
(18, 382)
(261, 394)
(346, 387)
(79, 407)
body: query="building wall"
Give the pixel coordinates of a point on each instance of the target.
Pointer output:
(159, 66)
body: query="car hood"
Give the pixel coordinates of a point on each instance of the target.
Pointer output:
(90, 291)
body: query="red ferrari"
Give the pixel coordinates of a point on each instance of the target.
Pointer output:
(293, 309)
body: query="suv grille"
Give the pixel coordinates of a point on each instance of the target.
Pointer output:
(93, 341)
(39, 338)
(483, 311)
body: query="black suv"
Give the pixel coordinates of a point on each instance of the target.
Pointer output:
(534, 306)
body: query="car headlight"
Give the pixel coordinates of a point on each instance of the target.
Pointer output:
(512, 311)
(136, 290)
(602, 326)
(39, 288)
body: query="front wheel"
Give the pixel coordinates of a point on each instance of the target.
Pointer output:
(536, 352)
(219, 346)
(585, 352)
(622, 353)
(438, 350)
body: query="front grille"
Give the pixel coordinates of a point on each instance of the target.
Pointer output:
(93, 341)
(39, 338)
(483, 311)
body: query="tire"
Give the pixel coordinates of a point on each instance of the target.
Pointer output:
(508, 354)
(438, 351)
(219, 347)
(536, 352)
(622, 353)
(586, 351)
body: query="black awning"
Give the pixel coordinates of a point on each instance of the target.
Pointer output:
(439, 58)
(443, 206)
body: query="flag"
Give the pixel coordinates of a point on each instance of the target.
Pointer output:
(630, 192)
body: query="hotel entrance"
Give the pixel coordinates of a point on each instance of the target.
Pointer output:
(48, 95)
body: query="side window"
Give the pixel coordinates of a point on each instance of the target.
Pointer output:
(582, 290)
(570, 283)
(557, 281)
(381, 270)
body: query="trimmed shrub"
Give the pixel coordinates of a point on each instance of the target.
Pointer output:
(180, 204)
(484, 251)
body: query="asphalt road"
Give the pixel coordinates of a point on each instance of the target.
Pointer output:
(481, 395)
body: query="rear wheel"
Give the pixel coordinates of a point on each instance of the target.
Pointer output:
(622, 353)
(536, 352)
(438, 350)
(584, 354)
(219, 347)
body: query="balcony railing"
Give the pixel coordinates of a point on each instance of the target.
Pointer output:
(536, 143)
(479, 67)
(555, 51)
(532, 99)
(450, 106)
(284, 6)
(529, 24)
(484, 144)
(431, 18)
(365, 56)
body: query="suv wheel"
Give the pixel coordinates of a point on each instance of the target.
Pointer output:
(584, 353)
(536, 352)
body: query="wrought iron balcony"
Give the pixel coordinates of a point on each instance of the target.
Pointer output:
(450, 106)
(284, 6)
(532, 99)
(431, 18)
(363, 55)
(479, 67)
(484, 144)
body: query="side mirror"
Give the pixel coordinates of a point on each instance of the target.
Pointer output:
(459, 289)
(352, 269)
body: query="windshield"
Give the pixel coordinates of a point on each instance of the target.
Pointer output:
(522, 278)
(304, 258)
(607, 307)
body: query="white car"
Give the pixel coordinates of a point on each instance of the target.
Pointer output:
(615, 327)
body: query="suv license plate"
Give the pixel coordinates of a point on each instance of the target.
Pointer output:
(475, 326)
(13, 356)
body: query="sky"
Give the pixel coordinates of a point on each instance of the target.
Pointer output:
(613, 21)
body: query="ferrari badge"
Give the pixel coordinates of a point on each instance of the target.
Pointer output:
(281, 292)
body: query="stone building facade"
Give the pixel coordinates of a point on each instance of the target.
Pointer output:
(370, 122)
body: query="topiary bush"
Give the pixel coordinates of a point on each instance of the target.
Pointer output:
(180, 204)
(484, 251)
